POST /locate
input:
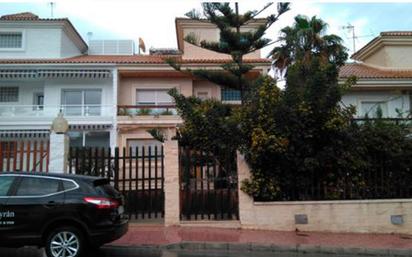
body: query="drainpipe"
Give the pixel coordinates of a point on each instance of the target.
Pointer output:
(113, 131)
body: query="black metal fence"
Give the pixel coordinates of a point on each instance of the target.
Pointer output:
(138, 173)
(208, 186)
(386, 178)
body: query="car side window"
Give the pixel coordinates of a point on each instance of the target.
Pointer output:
(5, 184)
(67, 185)
(31, 186)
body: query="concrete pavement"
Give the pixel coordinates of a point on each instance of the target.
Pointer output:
(226, 239)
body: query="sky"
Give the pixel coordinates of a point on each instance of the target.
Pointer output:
(154, 20)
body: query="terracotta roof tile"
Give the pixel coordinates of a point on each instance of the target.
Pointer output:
(27, 16)
(363, 71)
(19, 16)
(396, 33)
(119, 59)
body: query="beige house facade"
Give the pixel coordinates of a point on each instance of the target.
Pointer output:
(383, 68)
(143, 102)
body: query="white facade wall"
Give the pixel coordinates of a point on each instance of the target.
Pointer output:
(40, 42)
(26, 91)
(67, 47)
(394, 99)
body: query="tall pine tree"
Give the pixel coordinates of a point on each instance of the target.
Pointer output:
(233, 41)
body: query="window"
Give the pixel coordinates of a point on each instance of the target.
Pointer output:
(153, 97)
(97, 138)
(89, 138)
(202, 95)
(67, 185)
(9, 94)
(146, 143)
(11, 40)
(82, 102)
(75, 138)
(230, 94)
(370, 108)
(31, 186)
(5, 184)
(410, 101)
(38, 101)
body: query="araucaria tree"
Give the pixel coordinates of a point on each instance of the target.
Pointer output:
(232, 41)
(212, 126)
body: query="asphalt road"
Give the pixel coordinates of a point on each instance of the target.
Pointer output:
(129, 252)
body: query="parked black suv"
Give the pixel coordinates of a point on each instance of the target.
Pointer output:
(64, 213)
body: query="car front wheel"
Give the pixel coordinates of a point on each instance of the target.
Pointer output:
(64, 242)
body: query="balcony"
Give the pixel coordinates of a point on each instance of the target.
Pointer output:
(46, 113)
(396, 121)
(150, 115)
(146, 110)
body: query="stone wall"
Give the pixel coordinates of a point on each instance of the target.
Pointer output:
(172, 197)
(363, 216)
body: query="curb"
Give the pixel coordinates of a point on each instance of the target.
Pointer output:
(251, 247)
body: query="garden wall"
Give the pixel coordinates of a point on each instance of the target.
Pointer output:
(364, 216)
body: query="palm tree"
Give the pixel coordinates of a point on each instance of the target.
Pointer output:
(306, 39)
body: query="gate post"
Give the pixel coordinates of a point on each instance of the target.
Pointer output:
(171, 186)
(245, 201)
(59, 145)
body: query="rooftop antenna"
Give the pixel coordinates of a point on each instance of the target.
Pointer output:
(52, 9)
(352, 28)
(354, 37)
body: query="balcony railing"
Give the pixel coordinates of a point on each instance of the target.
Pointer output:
(53, 110)
(144, 110)
(397, 121)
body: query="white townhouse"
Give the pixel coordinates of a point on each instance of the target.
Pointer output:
(41, 75)
(109, 95)
(384, 71)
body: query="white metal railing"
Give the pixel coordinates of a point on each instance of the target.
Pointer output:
(52, 110)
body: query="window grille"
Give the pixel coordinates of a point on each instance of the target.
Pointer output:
(11, 39)
(9, 94)
(230, 94)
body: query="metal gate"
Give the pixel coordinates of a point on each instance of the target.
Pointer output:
(208, 186)
(138, 173)
(24, 155)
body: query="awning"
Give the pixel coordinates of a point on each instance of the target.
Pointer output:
(90, 127)
(35, 133)
(45, 133)
(54, 73)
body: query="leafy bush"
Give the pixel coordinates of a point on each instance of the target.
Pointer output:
(209, 126)
(144, 112)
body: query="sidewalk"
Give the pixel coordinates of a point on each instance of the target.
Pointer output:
(159, 236)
